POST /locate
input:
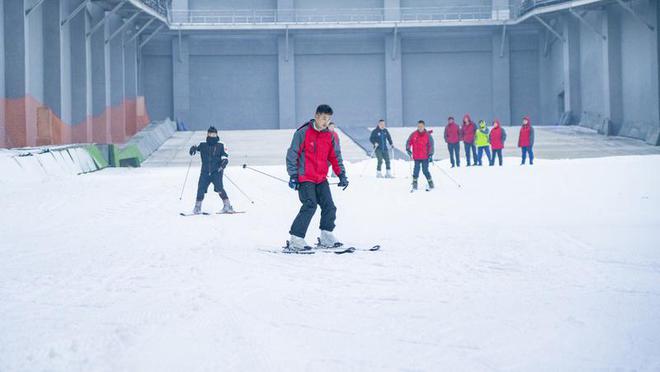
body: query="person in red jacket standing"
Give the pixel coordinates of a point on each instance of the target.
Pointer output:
(497, 139)
(467, 132)
(420, 147)
(526, 140)
(453, 140)
(312, 148)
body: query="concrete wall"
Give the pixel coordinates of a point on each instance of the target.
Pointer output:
(261, 81)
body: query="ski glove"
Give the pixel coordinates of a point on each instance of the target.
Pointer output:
(223, 163)
(343, 181)
(293, 182)
(409, 153)
(431, 159)
(193, 150)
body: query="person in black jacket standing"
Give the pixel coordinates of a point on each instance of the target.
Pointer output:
(380, 138)
(214, 161)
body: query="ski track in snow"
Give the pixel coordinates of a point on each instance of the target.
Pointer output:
(551, 267)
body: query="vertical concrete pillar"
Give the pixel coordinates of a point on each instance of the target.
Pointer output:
(611, 59)
(130, 86)
(571, 67)
(65, 78)
(15, 73)
(52, 62)
(501, 77)
(76, 105)
(89, 72)
(393, 81)
(287, 82)
(34, 69)
(181, 78)
(115, 105)
(99, 80)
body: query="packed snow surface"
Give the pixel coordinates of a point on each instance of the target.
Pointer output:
(551, 267)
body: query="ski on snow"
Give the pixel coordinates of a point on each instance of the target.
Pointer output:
(338, 249)
(208, 214)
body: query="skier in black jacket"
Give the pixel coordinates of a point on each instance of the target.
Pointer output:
(214, 161)
(380, 138)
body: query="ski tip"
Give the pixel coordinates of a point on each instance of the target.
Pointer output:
(375, 248)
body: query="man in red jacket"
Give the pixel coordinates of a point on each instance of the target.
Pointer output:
(467, 131)
(453, 139)
(526, 140)
(312, 148)
(497, 139)
(420, 148)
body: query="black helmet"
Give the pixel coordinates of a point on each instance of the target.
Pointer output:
(212, 130)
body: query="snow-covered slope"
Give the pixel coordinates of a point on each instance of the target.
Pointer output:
(553, 267)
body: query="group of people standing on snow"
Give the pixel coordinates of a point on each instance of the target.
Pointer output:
(476, 140)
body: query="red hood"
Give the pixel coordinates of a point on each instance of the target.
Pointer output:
(529, 122)
(496, 124)
(469, 119)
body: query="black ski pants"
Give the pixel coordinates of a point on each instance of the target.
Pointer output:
(312, 194)
(205, 179)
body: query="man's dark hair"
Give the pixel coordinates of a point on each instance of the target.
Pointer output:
(421, 122)
(212, 130)
(331, 123)
(324, 109)
(381, 120)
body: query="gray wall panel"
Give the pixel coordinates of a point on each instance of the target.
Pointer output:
(438, 85)
(157, 86)
(525, 86)
(233, 92)
(354, 85)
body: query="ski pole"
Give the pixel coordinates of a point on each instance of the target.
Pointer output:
(392, 162)
(447, 174)
(239, 189)
(186, 180)
(245, 166)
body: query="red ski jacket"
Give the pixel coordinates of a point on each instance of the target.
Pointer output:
(468, 130)
(497, 136)
(311, 152)
(526, 137)
(452, 133)
(421, 144)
